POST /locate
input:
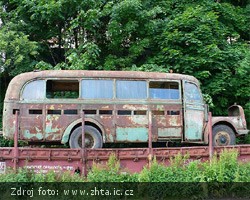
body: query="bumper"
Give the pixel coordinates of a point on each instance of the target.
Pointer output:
(243, 132)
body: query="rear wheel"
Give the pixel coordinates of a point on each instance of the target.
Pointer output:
(93, 138)
(223, 135)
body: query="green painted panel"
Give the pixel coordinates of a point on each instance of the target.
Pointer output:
(139, 134)
(169, 132)
(194, 124)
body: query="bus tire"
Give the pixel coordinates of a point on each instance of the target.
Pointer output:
(93, 138)
(223, 135)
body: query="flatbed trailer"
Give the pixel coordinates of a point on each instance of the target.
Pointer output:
(77, 160)
(42, 160)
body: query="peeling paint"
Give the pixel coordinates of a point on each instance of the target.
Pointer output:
(28, 135)
(170, 132)
(139, 120)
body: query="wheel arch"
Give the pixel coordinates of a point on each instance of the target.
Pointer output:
(226, 123)
(75, 124)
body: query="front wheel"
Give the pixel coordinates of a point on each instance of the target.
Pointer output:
(223, 135)
(93, 138)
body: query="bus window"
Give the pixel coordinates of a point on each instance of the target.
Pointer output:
(34, 90)
(59, 89)
(192, 92)
(97, 89)
(131, 89)
(164, 90)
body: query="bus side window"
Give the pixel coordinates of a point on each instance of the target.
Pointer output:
(97, 89)
(34, 90)
(191, 92)
(164, 90)
(131, 89)
(62, 89)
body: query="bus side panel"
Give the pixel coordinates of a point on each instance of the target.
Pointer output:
(105, 115)
(31, 121)
(167, 121)
(59, 116)
(131, 123)
(9, 119)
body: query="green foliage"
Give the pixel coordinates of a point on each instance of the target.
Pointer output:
(10, 143)
(226, 168)
(223, 169)
(17, 51)
(110, 173)
(203, 41)
(27, 175)
(85, 57)
(6, 143)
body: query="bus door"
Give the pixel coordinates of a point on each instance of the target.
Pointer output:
(166, 109)
(194, 112)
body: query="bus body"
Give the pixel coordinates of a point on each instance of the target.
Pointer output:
(116, 105)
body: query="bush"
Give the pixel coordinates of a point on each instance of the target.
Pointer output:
(111, 172)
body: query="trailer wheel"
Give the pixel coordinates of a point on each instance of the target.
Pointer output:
(223, 135)
(93, 138)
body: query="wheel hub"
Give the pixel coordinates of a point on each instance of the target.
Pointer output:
(222, 138)
(89, 141)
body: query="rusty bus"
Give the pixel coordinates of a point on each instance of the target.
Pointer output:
(116, 106)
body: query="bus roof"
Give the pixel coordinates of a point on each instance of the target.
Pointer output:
(16, 84)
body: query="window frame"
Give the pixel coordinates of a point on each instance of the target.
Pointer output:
(129, 99)
(200, 101)
(107, 79)
(165, 80)
(63, 79)
(29, 82)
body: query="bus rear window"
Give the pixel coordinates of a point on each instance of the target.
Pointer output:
(164, 90)
(34, 90)
(62, 89)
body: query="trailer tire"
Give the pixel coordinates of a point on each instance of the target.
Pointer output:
(223, 135)
(93, 138)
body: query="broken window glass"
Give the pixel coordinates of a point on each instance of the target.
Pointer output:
(62, 89)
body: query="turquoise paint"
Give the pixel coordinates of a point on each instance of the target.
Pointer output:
(132, 134)
(49, 122)
(28, 135)
(194, 124)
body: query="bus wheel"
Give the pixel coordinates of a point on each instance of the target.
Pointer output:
(93, 138)
(223, 135)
